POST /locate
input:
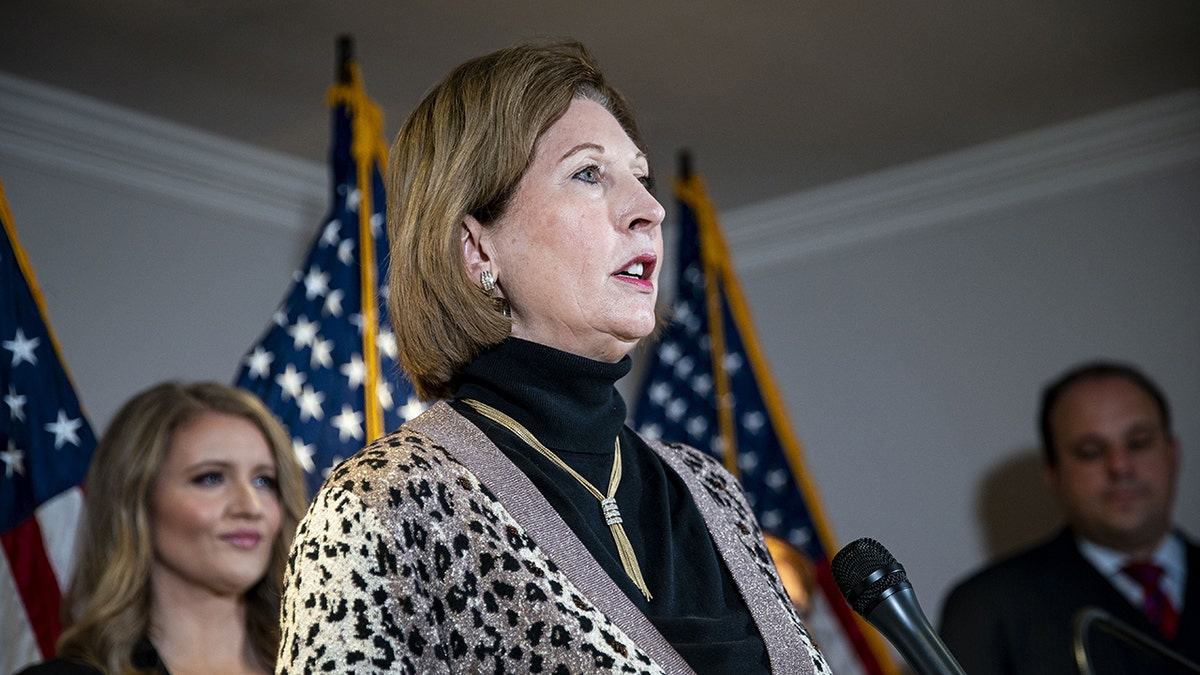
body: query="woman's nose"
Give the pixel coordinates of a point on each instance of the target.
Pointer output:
(645, 211)
(247, 500)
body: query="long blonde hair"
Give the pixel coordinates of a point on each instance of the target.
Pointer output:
(107, 604)
(462, 152)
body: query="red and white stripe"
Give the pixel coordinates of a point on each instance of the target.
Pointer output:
(39, 555)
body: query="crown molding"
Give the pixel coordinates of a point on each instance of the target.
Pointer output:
(59, 131)
(55, 131)
(1160, 135)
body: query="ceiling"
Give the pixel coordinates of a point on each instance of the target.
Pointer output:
(770, 96)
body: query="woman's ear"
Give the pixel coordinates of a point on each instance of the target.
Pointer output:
(476, 258)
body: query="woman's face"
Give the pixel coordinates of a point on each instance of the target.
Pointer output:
(214, 509)
(577, 251)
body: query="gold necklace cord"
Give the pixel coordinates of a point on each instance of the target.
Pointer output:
(608, 504)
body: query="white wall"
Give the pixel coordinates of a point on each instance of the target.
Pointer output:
(161, 251)
(910, 316)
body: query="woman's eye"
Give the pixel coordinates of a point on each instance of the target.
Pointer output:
(588, 174)
(210, 478)
(647, 182)
(268, 482)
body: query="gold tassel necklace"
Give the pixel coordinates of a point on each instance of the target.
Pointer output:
(608, 504)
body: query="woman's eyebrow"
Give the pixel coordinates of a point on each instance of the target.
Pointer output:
(581, 147)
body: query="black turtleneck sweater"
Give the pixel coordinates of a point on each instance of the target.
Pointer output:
(572, 406)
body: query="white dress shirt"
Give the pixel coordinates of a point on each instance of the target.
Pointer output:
(1171, 555)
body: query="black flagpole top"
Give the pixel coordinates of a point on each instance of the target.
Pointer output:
(345, 54)
(685, 165)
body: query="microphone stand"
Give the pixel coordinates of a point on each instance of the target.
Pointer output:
(1087, 616)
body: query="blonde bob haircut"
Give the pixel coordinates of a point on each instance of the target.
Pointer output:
(462, 152)
(107, 604)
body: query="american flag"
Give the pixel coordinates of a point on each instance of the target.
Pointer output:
(326, 364)
(45, 446)
(710, 354)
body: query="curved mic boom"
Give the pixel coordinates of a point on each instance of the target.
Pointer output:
(877, 587)
(1089, 616)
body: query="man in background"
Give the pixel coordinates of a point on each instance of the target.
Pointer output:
(1112, 462)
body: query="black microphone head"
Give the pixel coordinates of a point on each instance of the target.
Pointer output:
(867, 574)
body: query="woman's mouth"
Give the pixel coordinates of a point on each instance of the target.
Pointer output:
(640, 269)
(245, 540)
(634, 270)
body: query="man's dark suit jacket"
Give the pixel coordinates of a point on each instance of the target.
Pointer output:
(1016, 616)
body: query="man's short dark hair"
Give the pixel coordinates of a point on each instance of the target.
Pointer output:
(1094, 370)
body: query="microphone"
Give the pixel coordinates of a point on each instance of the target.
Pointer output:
(876, 586)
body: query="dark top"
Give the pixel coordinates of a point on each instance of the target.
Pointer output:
(1016, 615)
(572, 406)
(144, 656)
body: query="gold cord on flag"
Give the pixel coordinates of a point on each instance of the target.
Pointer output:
(608, 503)
(368, 150)
(714, 257)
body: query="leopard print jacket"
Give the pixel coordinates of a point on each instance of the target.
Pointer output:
(430, 552)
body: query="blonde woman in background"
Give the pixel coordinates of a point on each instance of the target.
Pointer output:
(192, 498)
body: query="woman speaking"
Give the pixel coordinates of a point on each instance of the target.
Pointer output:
(519, 525)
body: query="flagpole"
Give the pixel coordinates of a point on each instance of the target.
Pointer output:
(368, 150)
(345, 55)
(325, 363)
(711, 251)
(685, 165)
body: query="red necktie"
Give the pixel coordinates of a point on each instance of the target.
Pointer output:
(1155, 603)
